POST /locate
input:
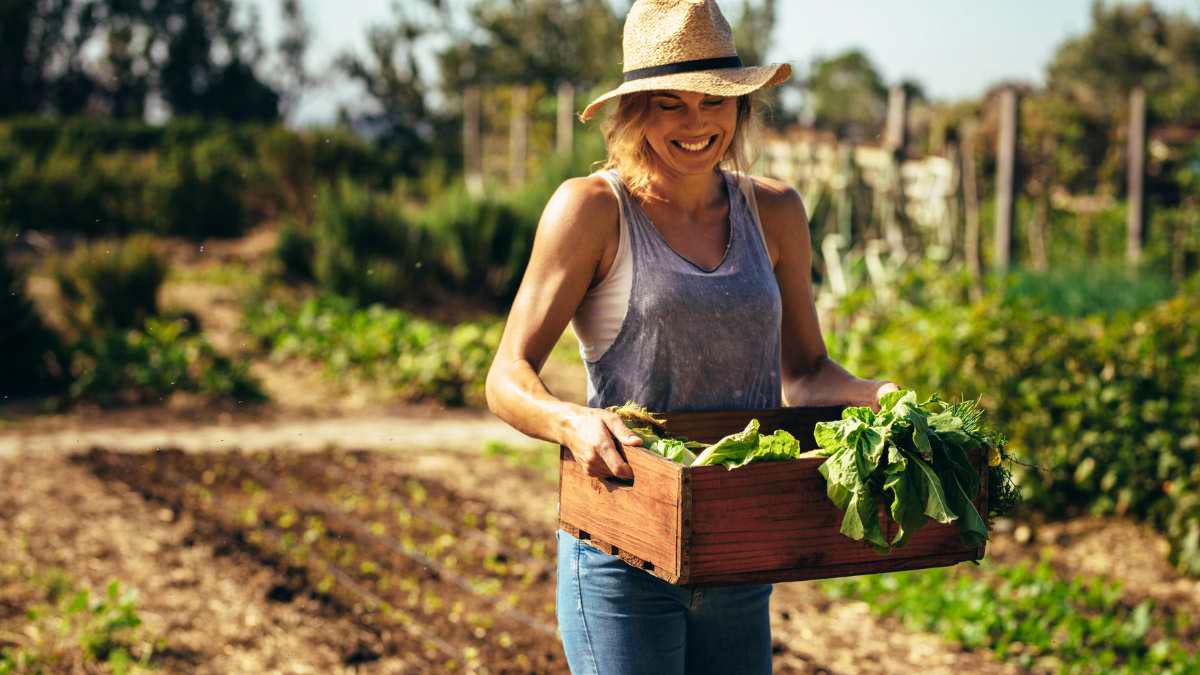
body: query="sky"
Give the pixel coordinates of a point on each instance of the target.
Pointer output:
(954, 48)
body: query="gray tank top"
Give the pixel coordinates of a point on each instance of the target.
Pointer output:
(693, 339)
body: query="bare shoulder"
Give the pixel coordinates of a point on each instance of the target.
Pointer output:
(781, 211)
(583, 205)
(777, 197)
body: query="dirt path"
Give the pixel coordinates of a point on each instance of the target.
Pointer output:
(404, 428)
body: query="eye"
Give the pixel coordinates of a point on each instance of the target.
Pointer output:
(716, 101)
(665, 106)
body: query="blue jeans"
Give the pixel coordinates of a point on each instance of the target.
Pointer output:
(615, 618)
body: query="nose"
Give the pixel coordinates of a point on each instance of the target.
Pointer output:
(693, 116)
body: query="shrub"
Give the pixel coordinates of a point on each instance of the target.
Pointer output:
(198, 190)
(137, 365)
(420, 359)
(33, 356)
(110, 284)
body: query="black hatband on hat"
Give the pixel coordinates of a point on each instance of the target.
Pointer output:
(684, 67)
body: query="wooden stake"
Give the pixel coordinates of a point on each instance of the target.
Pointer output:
(472, 155)
(896, 133)
(566, 118)
(1136, 173)
(1006, 155)
(970, 204)
(518, 135)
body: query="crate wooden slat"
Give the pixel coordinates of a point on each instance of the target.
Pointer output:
(765, 522)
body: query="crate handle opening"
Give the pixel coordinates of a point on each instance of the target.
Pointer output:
(615, 482)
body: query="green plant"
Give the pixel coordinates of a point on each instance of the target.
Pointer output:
(918, 451)
(73, 629)
(1027, 615)
(109, 284)
(33, 354)
(135, 365)
(420, 359)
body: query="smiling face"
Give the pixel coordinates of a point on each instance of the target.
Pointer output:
(690, 132)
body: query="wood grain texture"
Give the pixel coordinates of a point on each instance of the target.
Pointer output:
(642, 520)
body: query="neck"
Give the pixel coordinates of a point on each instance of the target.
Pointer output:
(690, 193)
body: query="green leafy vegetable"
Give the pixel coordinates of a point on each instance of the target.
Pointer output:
(927, 471)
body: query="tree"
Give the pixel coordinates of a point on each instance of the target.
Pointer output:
(397, 111)
(847, 95)
(1126, 45)
(514, 41)
(195, 55)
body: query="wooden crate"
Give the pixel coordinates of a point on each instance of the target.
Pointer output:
(765, 522)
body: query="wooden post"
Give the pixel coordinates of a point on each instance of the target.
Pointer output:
(970, 204)
(566, 119)
(472, 155)
(896, 132)
(1006, 155)
(518, 135)
(1136, 173)
(895, 140)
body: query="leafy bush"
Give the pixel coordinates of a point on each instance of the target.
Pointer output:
(137, 365)
(1107, 406)
(420, 359)
(1092, 289)
(365, 247)
(295, 249)
(110, 284)
(383, 247)
(188, 177)
(33, 354)
(201, 190)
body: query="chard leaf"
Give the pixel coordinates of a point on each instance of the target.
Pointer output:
(828, 435)
(971, 527)
(840, 476)
(909, 494)
(888, 400)
(936, 506)
(860, 413)
(862, 520)
(674, 450)
(776, 446)
(868, 445)
(731, 449)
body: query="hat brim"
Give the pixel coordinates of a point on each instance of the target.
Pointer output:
(722, 82)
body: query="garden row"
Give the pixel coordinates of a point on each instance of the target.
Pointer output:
(448, 581)
(458, 583)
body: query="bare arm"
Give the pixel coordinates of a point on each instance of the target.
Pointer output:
(567, 250)
(810, 377)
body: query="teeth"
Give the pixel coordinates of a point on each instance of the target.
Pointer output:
(694, 147)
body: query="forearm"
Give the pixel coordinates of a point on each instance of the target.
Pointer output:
(827, 383)
(516, 394)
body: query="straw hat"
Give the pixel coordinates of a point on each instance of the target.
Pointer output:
(685, 45)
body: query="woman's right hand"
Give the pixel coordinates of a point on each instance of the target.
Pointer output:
(591, 434)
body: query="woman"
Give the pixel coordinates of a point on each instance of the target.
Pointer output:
(689, 288)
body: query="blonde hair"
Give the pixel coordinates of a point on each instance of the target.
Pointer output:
(630, 154)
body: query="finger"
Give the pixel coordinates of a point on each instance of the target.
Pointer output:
(621, 432)
(614, 461)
